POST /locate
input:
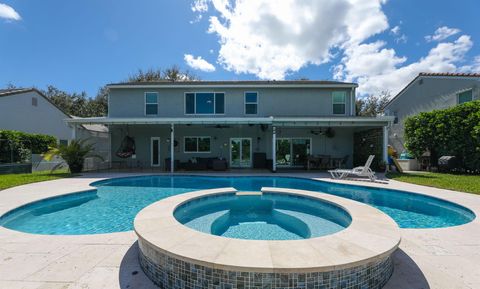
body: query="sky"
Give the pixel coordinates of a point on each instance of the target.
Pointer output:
(379, 44)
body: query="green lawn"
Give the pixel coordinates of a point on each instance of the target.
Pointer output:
(462, 183)
(12, 180)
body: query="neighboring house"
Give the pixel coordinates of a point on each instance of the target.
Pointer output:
(427, 92)
(239, 121)
(29, 110)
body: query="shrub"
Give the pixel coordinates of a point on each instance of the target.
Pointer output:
(453, 131)
(16, 146)
(74, 154)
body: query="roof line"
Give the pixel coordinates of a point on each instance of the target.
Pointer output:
(33, 89)
(433, 75)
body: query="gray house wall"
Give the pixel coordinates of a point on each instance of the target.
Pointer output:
(271, 101)
(423, 95)
(18, 113)
(338, 146)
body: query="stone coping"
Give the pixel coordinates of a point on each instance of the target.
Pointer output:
(372, 236)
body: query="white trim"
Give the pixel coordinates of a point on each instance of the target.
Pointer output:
(278, 85)
(231, 120)
(153, 138)
(245, 102)
(291, 149)
(241, 151)
(195, 103)
(197, 137)
(145, 103)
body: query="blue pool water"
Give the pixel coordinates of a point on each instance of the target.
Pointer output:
(263, 217)
(114, 204)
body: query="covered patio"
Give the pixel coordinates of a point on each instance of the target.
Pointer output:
(221, 143)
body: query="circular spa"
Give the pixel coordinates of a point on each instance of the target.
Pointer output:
(275, 238)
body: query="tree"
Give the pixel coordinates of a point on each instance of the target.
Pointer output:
(372, 105)
(173, 74)
(453, 132)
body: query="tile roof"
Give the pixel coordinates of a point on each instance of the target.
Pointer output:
(449, 74)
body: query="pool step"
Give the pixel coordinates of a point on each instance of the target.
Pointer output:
(253, 193)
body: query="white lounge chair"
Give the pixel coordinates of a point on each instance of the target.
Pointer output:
(364, 171)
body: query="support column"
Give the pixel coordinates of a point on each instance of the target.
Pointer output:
(274, 150)
(385, 144)
(74, 131)
(172, 148)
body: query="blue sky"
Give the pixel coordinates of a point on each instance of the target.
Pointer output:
(82, 45)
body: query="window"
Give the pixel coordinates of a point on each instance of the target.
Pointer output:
(251, 103)
(63, 142)
(465, 96)
(204, 103)
(338, 100)
(34, 101)
(151, 103)
(197, 144)
(395, 114)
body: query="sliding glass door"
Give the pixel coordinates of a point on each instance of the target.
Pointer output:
(240, 152)
(292, 152)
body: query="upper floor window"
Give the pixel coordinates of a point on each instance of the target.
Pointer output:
(395, 114)
(196, 144)
(465, 96)
(34, 101)
(339, 102)
(251, 103)
(204, 103)
(151, 103)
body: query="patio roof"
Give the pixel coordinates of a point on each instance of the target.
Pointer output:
(278, 121)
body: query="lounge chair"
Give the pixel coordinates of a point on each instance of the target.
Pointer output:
(364, 171)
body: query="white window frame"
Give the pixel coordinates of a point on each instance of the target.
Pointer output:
(462, 91)
(195, 102)
(344, 103)
(153, 138)
(245, 103)
(196, 152)
(145, 103)
(291, 148)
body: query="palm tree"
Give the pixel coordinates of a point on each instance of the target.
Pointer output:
(74, 154)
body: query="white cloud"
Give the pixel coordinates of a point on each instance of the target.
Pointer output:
(377, 68)
(198, 63)
(473, 67)
(398, 36)
(395, 30)
(200, 6)
(8, 12)
(273, 38)
(442, 33)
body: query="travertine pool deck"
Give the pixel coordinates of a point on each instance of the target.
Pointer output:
(446, 258)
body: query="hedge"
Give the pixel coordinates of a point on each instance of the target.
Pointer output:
(453, 131)
(19, 145)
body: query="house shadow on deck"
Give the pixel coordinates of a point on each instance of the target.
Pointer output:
(406, 273)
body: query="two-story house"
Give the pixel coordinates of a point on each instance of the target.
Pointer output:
(236, 121)
(427, 92)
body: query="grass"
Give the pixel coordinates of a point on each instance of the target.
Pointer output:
(456, 182)
(13, 180)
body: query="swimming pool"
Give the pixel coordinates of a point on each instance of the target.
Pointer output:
(115, 202)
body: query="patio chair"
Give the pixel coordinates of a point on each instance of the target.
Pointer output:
(363, 171)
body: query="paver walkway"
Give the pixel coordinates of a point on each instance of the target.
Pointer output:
(447, 258)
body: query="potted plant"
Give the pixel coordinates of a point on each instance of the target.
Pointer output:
(74, 154)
